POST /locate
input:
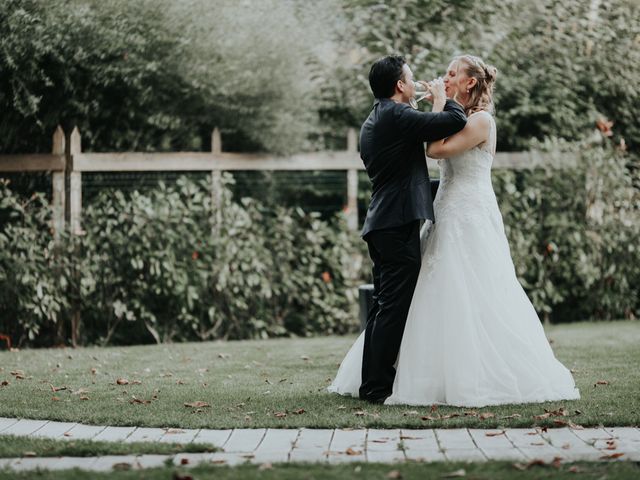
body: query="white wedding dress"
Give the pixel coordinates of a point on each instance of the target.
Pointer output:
(472, 336)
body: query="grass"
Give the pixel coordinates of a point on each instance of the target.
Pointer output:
(246, 383)
(16, 446)
(476, 471)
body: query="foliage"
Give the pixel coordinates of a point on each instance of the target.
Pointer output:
(574, 232)
(159, 266)
(155, 74)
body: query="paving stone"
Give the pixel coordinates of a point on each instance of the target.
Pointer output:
(24, 427)
(589, 435)
(215, 437)
(503, 453)
(67, 463)
(421, 445)
(464, 455)
(54, 430)
(561, 437)
(191, 459)
(525, 437)
(278, 440)
(142, 434)
(83, 432)
(491, 442)
(228, 459)
(179, 435)
(152, 461)
(308, 455)
(383, 440)
(107, 462)
(312, 445)
(269, 456)
(26, 464)
(385, 456)
(546, 453)
(628, 434)
(114, 434)
(458, 438)
(6, 423)
(244, 440)
(344, 439)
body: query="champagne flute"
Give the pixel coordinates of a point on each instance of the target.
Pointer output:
(421, 92)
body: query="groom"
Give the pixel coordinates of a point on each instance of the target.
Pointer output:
(392, 149)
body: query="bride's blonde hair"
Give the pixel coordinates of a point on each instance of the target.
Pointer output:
(481, 95)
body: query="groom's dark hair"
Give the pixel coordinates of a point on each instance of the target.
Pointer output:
(384, 74)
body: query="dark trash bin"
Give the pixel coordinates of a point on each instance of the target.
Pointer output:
(365, 299)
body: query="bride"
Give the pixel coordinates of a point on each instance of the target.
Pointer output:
(472, 336)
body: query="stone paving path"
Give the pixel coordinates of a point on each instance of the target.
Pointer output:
(260, 446)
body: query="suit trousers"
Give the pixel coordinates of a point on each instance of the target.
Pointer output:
(395, 253)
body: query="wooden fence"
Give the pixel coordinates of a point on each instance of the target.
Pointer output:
(73, 162)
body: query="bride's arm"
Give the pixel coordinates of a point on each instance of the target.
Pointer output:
(474, 133)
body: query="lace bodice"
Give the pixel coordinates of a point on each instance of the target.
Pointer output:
(465, 183)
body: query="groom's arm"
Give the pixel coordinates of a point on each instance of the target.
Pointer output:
(430, 126)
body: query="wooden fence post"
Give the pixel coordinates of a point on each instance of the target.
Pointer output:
(75, 184)
(57, 180)
(216, 181)
(352, 183)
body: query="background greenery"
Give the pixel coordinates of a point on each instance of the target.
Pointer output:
(158, 75)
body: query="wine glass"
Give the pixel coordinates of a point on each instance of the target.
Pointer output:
(420, 93)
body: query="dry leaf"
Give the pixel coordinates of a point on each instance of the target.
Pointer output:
(304, 357)
(513, 415)
(494, 434)
(409, 437)
(485, 415)
(29, 454)
(394, 474)
(434, 407)
(4, 383)
(360, 413)
(531, 463)
(184, 461)
(266, 466)
(410, 413)
(566, 446)
(218, 462)
(351, 451)
(197, 404)
(55, 399)
(612, 456)
(428, 417)
(68, 434)
(94, 371)
(280, 414)
(574, 469)
(601, 382)
(84, 397)
(452, 415)
(538, 443)
(122, 381)
(299, 411)
(57, 389)
(135, 400)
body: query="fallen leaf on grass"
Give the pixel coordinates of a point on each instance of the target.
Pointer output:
(360, 413)
(122, 381)
(513, 415)
(574, 469)
(611, 456)
(305, 357)
(601, 382)
(140, 401)
(485, 415)
(57, 389)
(55, 399)
(218, 462)
(184, 461)
(394, 474)
(299, 411)
(458, 473)
(197, 404)
(180, 476)
(29, 454)
(528, 465)
(93, 370)
(410, 413)
(19, 374)
(495, 434)
(4, 383)
(280, 414)
(84, 397)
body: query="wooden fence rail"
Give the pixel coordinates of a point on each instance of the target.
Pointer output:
(73, 162)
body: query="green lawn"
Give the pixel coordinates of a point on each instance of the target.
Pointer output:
(476, 471)
(16, 446)
(247, 383)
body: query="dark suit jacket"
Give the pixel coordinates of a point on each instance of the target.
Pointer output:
(392, 149)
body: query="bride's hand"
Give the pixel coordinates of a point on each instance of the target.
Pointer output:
(436, 87)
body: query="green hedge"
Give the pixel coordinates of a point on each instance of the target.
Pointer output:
(157, 266)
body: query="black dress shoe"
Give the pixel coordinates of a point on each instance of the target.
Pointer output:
(379, 400)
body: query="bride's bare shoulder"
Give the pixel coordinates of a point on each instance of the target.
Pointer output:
(480, 121)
